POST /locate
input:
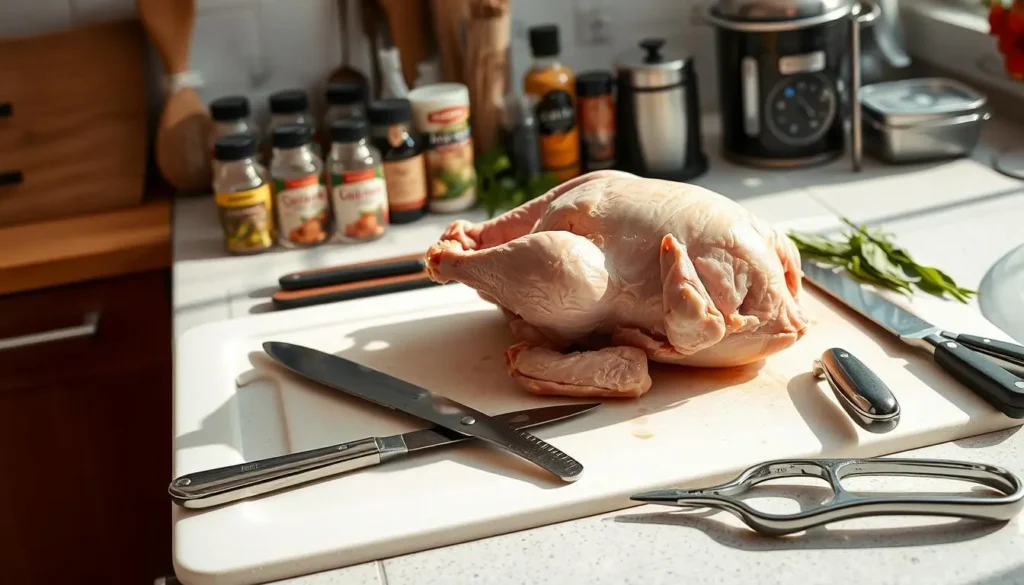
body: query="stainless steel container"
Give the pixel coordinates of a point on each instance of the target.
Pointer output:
(657, 117)
(915, 120)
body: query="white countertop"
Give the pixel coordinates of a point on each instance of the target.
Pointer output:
(958, 215)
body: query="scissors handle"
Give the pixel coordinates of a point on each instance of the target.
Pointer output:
(846, 505)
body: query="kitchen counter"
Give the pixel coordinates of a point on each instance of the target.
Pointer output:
(958, 215)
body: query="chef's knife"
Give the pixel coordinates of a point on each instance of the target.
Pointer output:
(213, 487)
(388, 391)
(994, 384)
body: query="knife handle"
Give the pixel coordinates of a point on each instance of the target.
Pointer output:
(862, 394)
(213, 487)
(998, 387)
(1009, 356)
(346, 273)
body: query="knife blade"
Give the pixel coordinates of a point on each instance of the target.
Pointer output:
(214, 487)
(385, 390)
(995, 385)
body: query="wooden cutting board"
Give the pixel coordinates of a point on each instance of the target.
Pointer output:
(693, 428)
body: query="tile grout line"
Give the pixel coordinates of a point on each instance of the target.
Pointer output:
(380, 573)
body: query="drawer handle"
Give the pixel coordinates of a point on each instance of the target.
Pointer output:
(6, 110)
(86, 329)
(11, 178)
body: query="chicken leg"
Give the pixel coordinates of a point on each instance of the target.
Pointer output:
(521, 276)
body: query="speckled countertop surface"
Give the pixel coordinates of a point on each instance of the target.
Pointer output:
(959, 215)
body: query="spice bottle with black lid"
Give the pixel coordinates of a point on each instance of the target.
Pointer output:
(291, 106)
(231, 115)
(404, 170)
(301, 207)
(242, 196)
(345, 99)
(596, 113)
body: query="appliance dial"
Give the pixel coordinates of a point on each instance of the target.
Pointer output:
(800, 109)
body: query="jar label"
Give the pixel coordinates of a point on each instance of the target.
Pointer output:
(406, 183)
(246, 219)
(559, 135)
(360, 201)
(302, 209)
(449, 154)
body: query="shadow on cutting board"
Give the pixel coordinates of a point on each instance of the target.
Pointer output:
(462, 357)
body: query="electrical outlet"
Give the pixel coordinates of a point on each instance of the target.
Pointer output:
(593, 22)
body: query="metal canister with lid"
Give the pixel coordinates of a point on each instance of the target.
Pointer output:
(914, 120)
(657, 113)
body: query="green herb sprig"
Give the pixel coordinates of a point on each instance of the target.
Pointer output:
(500, 187)
(871, 256)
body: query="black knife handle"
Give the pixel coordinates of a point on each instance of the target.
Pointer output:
(1008, 355)
(352, 273)
(998, 387)
(863, 395)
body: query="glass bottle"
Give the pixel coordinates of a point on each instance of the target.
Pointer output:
(242, 196)
(231, 115)
(345, 99)
(404, 169)
(290, 106)
(552, 87)
(300, 197)
(393, 81)
(359, 195)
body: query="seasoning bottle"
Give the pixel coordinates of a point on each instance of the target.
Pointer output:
(230, 116)
(345, 99)
(552, 87)
(290, 106)
(359, 194)
(519, 135)
(404, 170)
(441, 115)
(242, 195)
(300, 197)
(596, 109)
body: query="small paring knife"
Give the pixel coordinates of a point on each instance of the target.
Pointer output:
(863, 395)
(214, 487)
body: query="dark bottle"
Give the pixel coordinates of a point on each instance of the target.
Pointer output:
(404, 171)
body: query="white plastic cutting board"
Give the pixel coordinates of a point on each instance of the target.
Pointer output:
(694, 427)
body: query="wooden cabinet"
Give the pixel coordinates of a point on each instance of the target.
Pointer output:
(85, 432)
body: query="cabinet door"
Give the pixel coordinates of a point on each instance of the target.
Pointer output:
(83, 486)
(85, 435)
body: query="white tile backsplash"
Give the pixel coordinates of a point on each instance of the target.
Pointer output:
(255, 47)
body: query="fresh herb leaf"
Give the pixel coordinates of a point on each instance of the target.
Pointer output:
(500, 187)
(872, 256)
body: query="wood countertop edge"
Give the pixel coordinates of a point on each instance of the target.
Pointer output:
(75, 249)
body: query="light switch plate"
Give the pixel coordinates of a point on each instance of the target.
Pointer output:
(593, 22)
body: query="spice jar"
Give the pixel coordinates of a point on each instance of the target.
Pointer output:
(441, 115)
(345, 99)
(359, 194)
(243, 196)
(597, 120)
(230, 116)
(300, 197)
(404, 170)
(290, 106)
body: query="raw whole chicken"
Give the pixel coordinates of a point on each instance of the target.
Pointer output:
(609, 270)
